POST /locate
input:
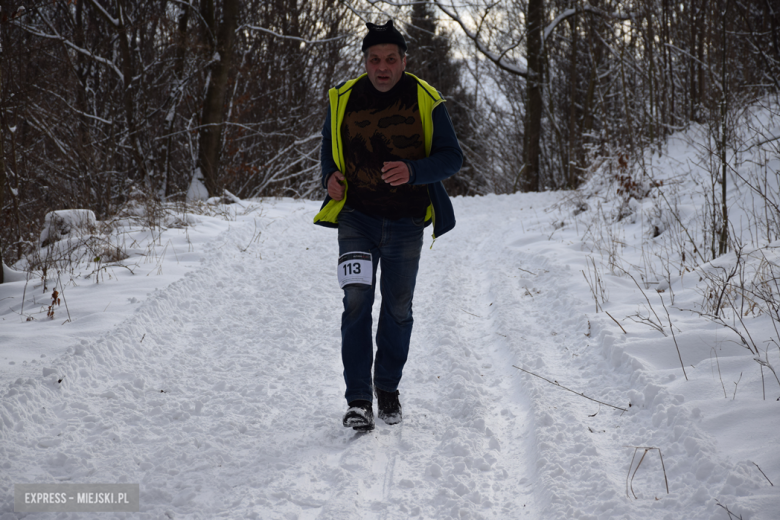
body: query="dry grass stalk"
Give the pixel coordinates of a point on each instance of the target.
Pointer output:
(671, 327)
(736, 385)
(618, 323)
(630, 483)
(595, 283)
(646, 298)
(55, 300)
(595, 299)
(719, 374)
(647, 320)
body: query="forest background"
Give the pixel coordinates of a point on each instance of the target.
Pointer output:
(107, 101)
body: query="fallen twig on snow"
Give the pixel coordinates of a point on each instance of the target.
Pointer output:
(762, 472)
(731, 515)
(556, 383)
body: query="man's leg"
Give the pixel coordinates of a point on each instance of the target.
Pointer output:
(401, 246)
(358, 232)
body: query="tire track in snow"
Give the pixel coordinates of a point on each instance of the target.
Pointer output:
(582, 451)
(486, 453)
(520, 296)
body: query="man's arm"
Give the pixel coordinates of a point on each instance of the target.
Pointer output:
(446, 156)
(326, 152)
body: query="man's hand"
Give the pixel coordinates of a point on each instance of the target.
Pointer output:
(395, 173)
(335, 187)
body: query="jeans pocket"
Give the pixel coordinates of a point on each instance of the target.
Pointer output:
(418, 221)
(346, 209)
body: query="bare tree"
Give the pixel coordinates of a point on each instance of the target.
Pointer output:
(3, 179)
(219, 34)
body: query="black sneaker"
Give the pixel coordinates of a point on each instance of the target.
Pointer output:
(359, 416)
(389, 406)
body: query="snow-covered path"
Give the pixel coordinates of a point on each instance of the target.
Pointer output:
(222, 394)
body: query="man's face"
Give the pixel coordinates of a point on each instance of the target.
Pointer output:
(384, 66)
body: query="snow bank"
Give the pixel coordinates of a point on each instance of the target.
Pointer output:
(67, 223)
(11, 275)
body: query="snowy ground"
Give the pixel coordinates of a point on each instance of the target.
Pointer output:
(212, 378)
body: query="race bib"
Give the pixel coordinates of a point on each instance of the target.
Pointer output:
(355, 267)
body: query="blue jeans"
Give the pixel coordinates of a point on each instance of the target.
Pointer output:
(396, 244)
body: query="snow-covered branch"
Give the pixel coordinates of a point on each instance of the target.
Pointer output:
(110, 64)
(517, 68)
(80, 112)
(296, 38)
(587, 8)
(313, 137)
(110, 19)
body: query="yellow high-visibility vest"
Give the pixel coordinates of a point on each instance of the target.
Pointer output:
(427, 99)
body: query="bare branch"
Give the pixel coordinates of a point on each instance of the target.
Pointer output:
(518, 69)
(110, 64)
(103, 13)
(570, 390)
(587, 8)
(296, 38)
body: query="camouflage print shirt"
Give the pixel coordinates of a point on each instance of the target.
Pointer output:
(380, 127)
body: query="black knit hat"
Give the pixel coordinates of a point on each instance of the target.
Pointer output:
(378, 34)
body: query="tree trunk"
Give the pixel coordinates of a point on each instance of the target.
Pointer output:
(703, 34)
(773, 14)
(534, 100)
(210, 134)
(649, 44)
(724, 231)
(127, 72)
(587, 111)
(3, 179)
(15, 191)
(667, 89)
(127, 78)
(175, 96)
(573, 141)
(693, 66)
